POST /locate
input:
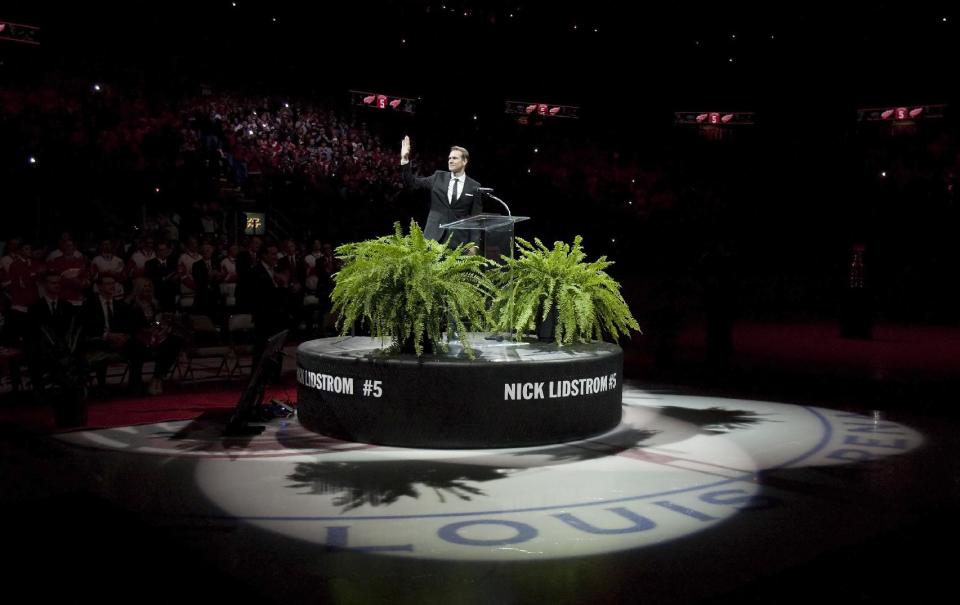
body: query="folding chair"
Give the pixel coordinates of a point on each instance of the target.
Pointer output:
(205, 343)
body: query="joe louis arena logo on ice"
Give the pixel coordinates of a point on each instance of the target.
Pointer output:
(674, 466)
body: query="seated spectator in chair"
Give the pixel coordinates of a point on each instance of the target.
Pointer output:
(51, 310)
(53, 323)
(107, 327)
(157, 332)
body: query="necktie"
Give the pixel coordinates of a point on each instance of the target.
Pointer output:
(53, 307)
(454, 196)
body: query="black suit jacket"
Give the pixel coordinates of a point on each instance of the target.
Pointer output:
(206, 291)
(166, 281)
(441, 210)
(244, 293)
(299, 272)
(91, 314)
(56, 324)
(270, 302)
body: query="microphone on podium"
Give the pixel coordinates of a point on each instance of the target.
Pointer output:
(489, 192)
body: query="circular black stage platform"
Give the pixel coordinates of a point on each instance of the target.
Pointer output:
(512, 394)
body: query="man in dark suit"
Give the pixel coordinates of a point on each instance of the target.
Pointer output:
(453, 195)
(162, 271)
(295, 272)
(270, 294)
(247, 259)
(107, 331)
(293, 264)
(207, 278)
(51, 313)
(53, 323)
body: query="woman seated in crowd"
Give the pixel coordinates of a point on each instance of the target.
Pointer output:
(157, 332)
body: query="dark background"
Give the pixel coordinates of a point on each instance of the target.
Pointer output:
(776, 205)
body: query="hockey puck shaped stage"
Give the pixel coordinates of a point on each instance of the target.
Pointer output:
(512, 394)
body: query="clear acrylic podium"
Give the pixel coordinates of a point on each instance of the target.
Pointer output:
(492, 232)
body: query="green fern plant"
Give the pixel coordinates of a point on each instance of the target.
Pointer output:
(409, 289)
(587, 300)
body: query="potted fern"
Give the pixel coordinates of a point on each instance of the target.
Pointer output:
(57, 353)
(542, 284)
(409, 289)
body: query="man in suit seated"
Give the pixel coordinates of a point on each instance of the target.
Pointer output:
(53, 325)
(107, 334)
(50, 312)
